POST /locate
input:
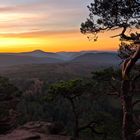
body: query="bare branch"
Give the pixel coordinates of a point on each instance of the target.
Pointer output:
(136, 120)
(115, 36)
(115, 89)
(129, 63)
(91, 125)
(95, 131)
(136, 102)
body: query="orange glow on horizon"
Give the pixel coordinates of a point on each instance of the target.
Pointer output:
(55, 42)
(50, 26)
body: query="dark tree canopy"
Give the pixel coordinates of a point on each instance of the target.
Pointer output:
(113, 14)
(108, 15)
(120, 14)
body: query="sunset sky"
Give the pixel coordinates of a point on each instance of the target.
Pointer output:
(49, 25)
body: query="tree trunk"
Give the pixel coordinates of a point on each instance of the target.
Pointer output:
(76, 121)
(126, 96)
(127, 128)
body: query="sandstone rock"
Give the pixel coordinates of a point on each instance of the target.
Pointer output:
(44, 127)
(34, 131)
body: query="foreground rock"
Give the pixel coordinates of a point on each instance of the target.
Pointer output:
(37, 131)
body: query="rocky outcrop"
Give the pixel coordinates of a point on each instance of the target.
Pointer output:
(37, 131)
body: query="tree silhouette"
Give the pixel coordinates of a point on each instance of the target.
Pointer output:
(72, 91)
(9, 98)
(124, 15)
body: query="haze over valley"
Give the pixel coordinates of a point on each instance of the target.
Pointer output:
(41, 57)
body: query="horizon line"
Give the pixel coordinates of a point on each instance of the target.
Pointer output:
(60, 51)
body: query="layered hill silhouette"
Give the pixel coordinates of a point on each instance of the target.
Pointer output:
(12, 59)
(41, 57)
(98, 58)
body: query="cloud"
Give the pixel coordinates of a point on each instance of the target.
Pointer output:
(35, 33)
(21, 7)
(50, 15)
(20, 22)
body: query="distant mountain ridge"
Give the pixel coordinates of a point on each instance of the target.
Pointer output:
(9, 60)
(98, 58)
(40, 57)
(40, 53)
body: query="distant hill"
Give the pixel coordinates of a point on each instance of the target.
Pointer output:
(41, 57)
(13, 59)
(105, 58)
(72, 55)
(66, 56)
(40, 53)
